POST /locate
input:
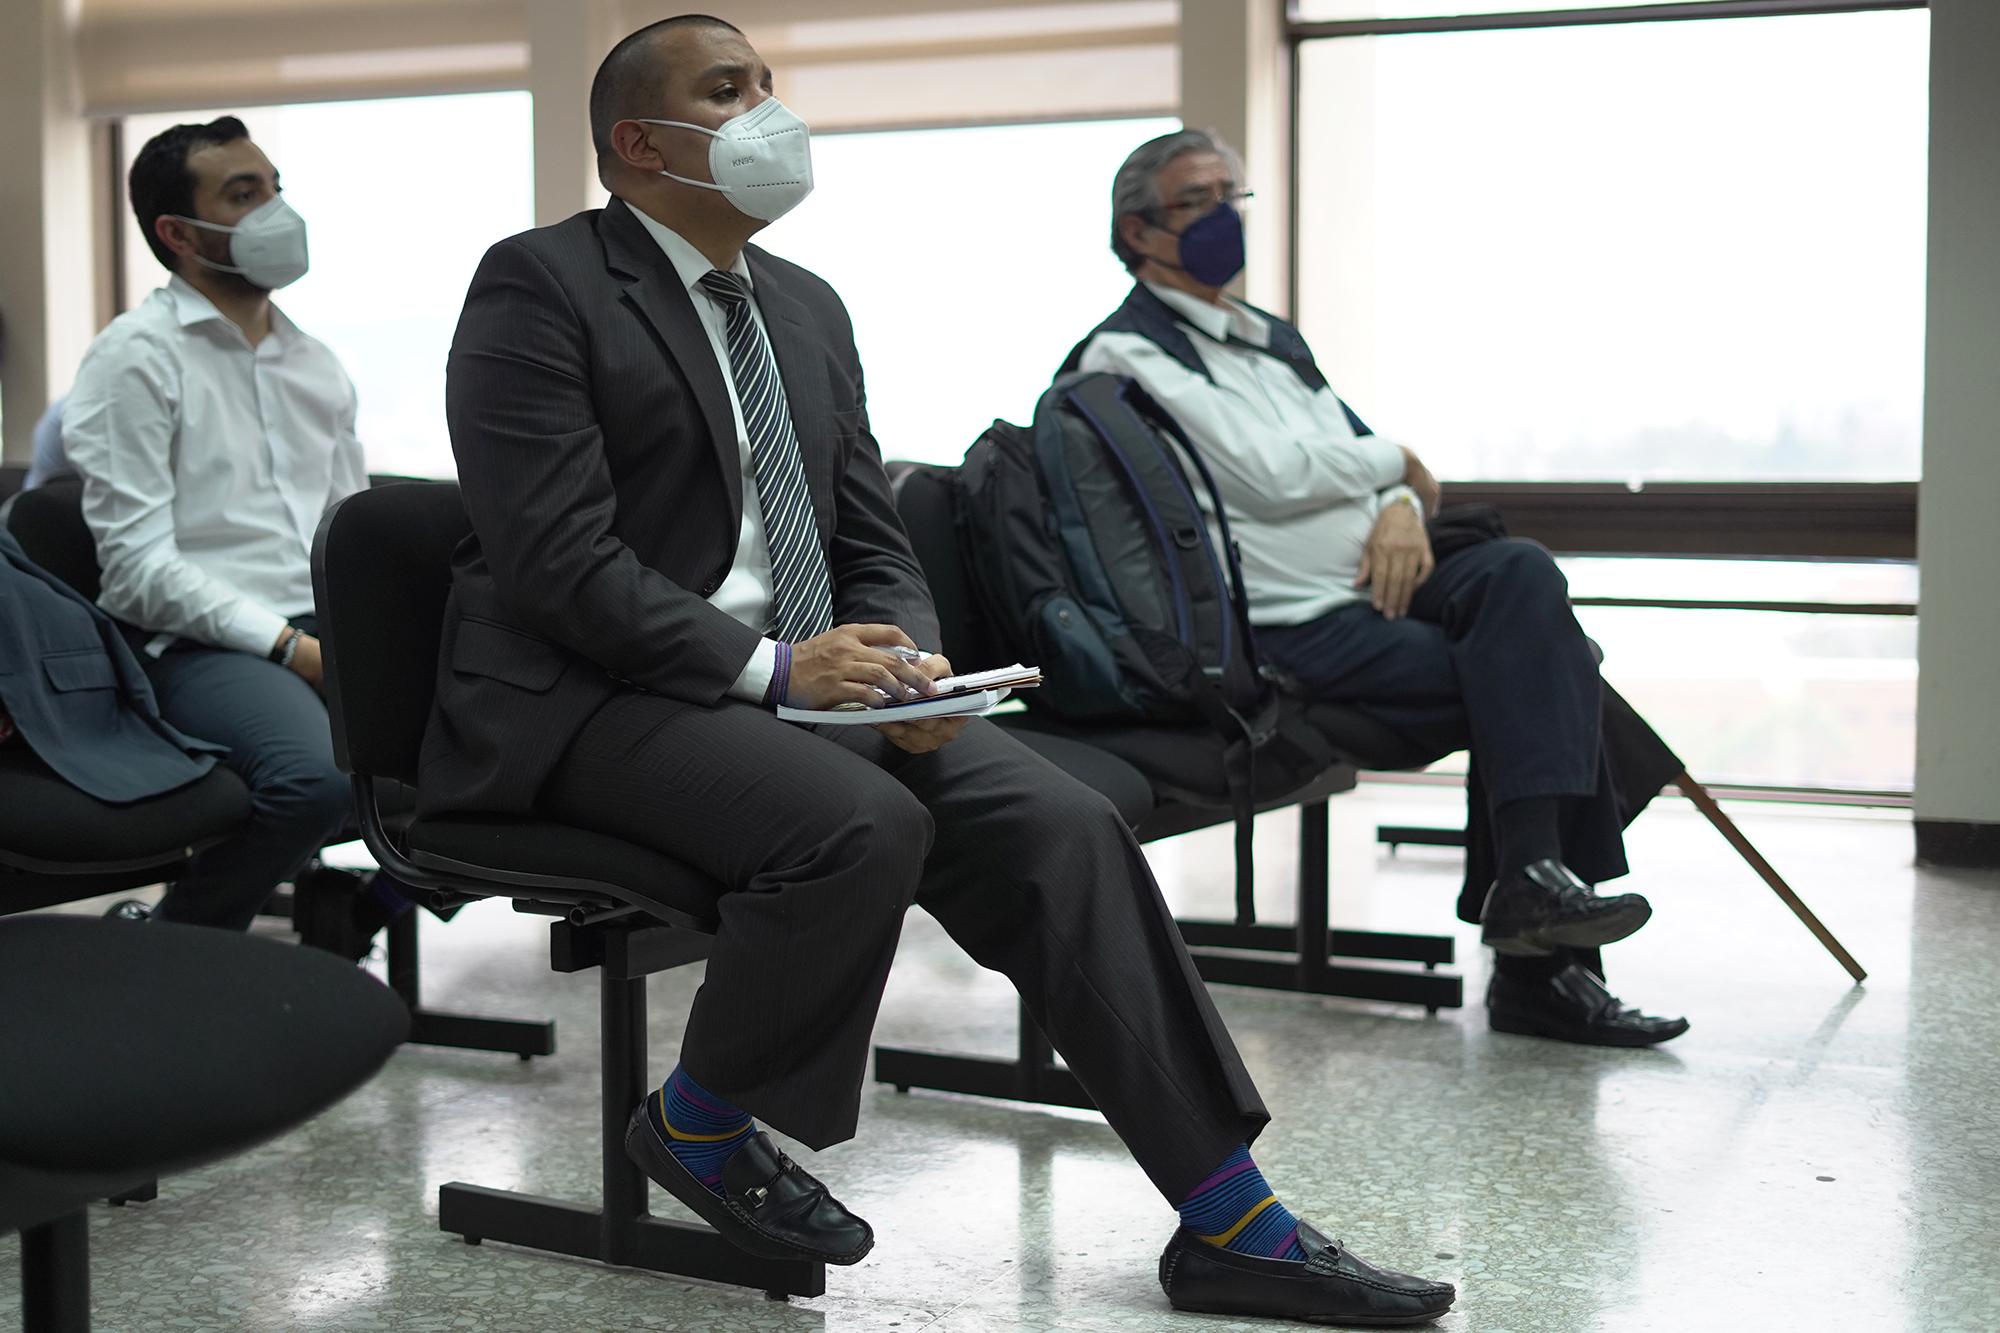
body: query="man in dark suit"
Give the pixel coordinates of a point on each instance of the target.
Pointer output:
(680, 519)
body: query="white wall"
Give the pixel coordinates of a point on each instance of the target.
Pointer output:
(1958, 543)
(47, 280)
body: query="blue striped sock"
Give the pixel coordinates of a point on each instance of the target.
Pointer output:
(1235, 1209)
(702, 1131)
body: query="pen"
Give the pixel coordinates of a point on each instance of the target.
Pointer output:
(911, 655)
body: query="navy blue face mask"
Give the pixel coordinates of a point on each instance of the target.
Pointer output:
(1212, 247)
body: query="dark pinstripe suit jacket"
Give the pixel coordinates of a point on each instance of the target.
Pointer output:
(598, 458)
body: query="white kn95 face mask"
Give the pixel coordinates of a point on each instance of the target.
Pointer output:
(268, 245)
(761, 159)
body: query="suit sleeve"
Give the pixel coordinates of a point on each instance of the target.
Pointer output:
(877, 578)
(538, 489)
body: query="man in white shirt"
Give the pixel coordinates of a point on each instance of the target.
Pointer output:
(1348, 597)
(211, 434)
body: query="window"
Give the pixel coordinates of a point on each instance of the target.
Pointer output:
(1686, 250)
(1647, 251)
(1317, 11)
(972, 260)
(1764, 698)
(401, 197)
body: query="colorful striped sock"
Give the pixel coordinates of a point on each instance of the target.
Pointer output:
(702, 1131)
(1235, 1209)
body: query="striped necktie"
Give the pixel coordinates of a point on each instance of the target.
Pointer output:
(801, 597)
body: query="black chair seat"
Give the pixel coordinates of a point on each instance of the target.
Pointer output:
(146, 1049)
(1182, 764)
(563, 864)
(49, 826)
(1369, 743)
(1103, 772)
(1172, 818)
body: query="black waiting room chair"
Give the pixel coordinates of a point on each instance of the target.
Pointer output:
(49, 524)
(232, 1040)
(1182, 767)
(382, 570)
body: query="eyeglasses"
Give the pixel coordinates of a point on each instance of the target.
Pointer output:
(1235, 199)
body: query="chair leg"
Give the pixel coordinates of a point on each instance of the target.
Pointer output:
(1726, 826)
(55, 1275)
(620, 1231)
(524, 1037)
(1219, 948)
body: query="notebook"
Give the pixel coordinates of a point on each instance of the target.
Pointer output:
(967, 695)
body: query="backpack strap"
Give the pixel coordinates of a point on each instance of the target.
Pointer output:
(1145, 314)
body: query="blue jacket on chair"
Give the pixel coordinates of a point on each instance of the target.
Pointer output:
(78, 696)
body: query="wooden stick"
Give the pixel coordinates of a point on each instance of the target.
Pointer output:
(1705, 803)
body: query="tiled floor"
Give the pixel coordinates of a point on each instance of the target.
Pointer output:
(1811, 1156)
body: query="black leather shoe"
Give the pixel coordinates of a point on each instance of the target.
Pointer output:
(1546, 906)
(769, 1206)
(1332, 1286)
(128, 909)
(1573, 1005)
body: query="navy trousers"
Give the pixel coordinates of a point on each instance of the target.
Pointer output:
(1490, 658)
(281, 745)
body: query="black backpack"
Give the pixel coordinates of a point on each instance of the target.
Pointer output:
(1089, 556)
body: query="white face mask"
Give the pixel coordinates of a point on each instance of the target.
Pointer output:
(761, 159)
(268, 245)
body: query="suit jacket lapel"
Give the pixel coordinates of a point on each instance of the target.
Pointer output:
(656, 290)
(802, 369)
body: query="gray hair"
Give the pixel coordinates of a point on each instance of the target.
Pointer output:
(1134, 188)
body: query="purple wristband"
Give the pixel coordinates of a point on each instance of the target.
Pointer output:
(781, 675)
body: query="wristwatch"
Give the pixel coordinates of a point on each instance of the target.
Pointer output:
(284, 652)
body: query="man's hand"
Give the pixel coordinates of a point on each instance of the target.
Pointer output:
(306, 662)
(1419, 479)
(849, 665)
(1396, 560)
(926, 733)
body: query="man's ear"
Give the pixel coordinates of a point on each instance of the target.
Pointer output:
(173, 233)
(1132, 228)
(634, 148)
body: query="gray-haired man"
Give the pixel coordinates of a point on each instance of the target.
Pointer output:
(1348, 597)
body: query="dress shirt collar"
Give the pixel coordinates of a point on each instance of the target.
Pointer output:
(1218, 322)
(691, 264)
(191, 308)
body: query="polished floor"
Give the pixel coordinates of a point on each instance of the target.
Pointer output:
(1811, 1156)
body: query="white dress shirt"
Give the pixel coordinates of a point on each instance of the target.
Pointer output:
(206, 466)
(1301, 489)
(747, 590)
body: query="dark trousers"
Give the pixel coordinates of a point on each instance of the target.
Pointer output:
(1490, 656)
(823, 838)
(281, 745)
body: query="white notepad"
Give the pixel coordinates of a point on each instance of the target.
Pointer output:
(969, 695)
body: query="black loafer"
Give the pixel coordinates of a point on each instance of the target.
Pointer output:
(1332, 1286)
(1546, 907)
(1573, 1005)
(769, 1205)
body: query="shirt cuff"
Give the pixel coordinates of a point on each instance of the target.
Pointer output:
(1386, 458)
(253, 629)
(1398, 494)
(755, 680)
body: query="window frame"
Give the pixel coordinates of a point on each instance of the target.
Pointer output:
(1833, 521)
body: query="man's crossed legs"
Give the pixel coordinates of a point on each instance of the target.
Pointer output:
(1491, 648)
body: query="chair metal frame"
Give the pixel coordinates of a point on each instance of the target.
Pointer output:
(598, 925)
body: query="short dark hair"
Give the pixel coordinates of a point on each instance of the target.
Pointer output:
(628, 85)
(161, 184)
